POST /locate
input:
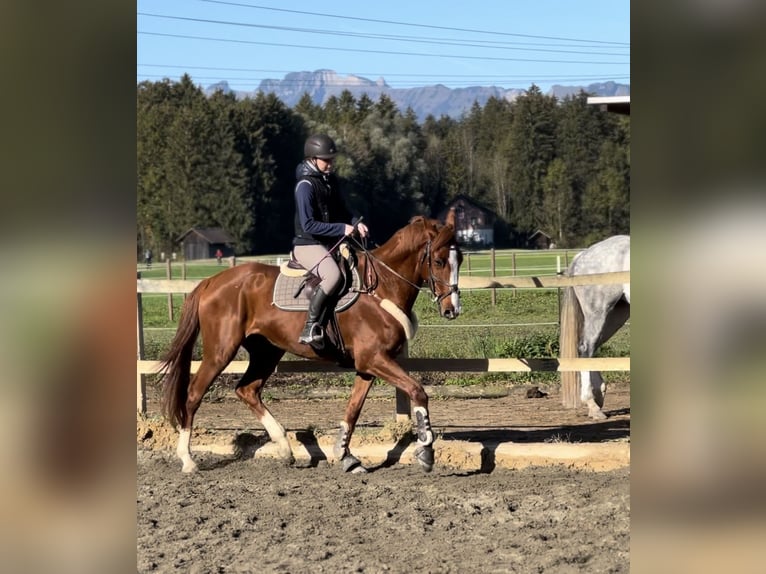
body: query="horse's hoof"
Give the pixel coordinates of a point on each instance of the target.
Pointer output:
(189, 467)
(425, 456)
(288, 460)
(352, 464)
(597, 415)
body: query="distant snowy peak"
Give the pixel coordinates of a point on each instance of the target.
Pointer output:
(597, 89)
(320, 80)
(434, 100)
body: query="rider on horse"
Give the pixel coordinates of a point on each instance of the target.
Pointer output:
(321, 220)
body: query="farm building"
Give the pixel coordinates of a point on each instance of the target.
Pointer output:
(539, 240)
(475, 224)
(615, 104)
(203, 242)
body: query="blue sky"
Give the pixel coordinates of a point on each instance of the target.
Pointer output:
(505, 43)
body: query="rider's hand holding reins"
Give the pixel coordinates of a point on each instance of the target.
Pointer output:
(360, 227)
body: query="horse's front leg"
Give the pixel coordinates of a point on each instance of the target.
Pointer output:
(389, 370)
(361, 388)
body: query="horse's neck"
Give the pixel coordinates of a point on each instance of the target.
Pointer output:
(396, 277)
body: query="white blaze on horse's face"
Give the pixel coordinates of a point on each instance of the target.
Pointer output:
(454, 265)
(452, 309)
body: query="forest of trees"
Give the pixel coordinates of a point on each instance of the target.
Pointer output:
(538, 163)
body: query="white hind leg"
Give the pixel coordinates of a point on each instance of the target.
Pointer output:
(263, 359)
(592, 391)
(183, 450)
(592, 386)
(278, 435)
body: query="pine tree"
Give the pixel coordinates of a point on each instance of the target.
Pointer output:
(532, 146)
(270, 139)
(558, 203)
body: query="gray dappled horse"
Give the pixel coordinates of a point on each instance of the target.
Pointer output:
(603, 309)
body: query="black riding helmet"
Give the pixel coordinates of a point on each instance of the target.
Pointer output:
(321, 146)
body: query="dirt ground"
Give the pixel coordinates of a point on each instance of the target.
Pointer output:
(245, 514)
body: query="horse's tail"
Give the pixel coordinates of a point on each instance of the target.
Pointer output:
(570, 315)
(176, 363)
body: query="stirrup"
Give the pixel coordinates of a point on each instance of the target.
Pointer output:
(315, 334)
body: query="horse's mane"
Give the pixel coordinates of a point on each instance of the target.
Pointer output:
(414, 235)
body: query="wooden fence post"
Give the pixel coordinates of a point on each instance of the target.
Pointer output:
(513, 271)
(170, 295)
(492, 274)
(568, 340)
(140, 378)
(403, 406)
(183, 274)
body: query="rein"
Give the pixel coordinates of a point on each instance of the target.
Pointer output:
(328, 254)
(432, 279)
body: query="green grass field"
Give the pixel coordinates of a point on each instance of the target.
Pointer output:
(475, 263)
(521, 323)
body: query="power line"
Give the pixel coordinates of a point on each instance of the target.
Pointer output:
(337, 16)
(382, 74)
(390, 37)
(388, 52)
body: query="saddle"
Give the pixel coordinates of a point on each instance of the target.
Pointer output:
(295, 284)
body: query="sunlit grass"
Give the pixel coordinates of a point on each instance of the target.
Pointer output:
(520, 323)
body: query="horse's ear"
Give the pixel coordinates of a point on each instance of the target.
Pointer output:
(447, 231)
(450, 217)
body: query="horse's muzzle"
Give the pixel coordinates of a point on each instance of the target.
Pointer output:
(449, 314)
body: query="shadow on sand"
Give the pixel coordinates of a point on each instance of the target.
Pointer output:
(246, 444)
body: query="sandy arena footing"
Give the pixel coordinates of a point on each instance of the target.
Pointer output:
(465, 455)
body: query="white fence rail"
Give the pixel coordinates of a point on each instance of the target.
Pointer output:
(560, 364)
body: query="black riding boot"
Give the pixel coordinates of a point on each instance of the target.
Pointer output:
(313, 332)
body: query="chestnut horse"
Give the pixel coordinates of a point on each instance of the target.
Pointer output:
(234, 308)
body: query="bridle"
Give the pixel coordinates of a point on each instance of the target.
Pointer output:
(433, 280)
(371, 281)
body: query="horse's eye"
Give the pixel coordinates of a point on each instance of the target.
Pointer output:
(439, 263)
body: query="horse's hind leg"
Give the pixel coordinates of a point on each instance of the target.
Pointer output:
(263, 360)
(349, 462)
(592, 387)
(592, 391)
(598, 327)
(200, 383)
(615, 319)
(220, 341)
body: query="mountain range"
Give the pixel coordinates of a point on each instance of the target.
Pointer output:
(435, 100)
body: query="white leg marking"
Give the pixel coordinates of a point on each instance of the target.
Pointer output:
(277, 434)
(183, 450)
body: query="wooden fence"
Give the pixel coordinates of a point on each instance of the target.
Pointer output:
(567, 363)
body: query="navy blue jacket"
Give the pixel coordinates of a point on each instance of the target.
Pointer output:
(320, 213)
